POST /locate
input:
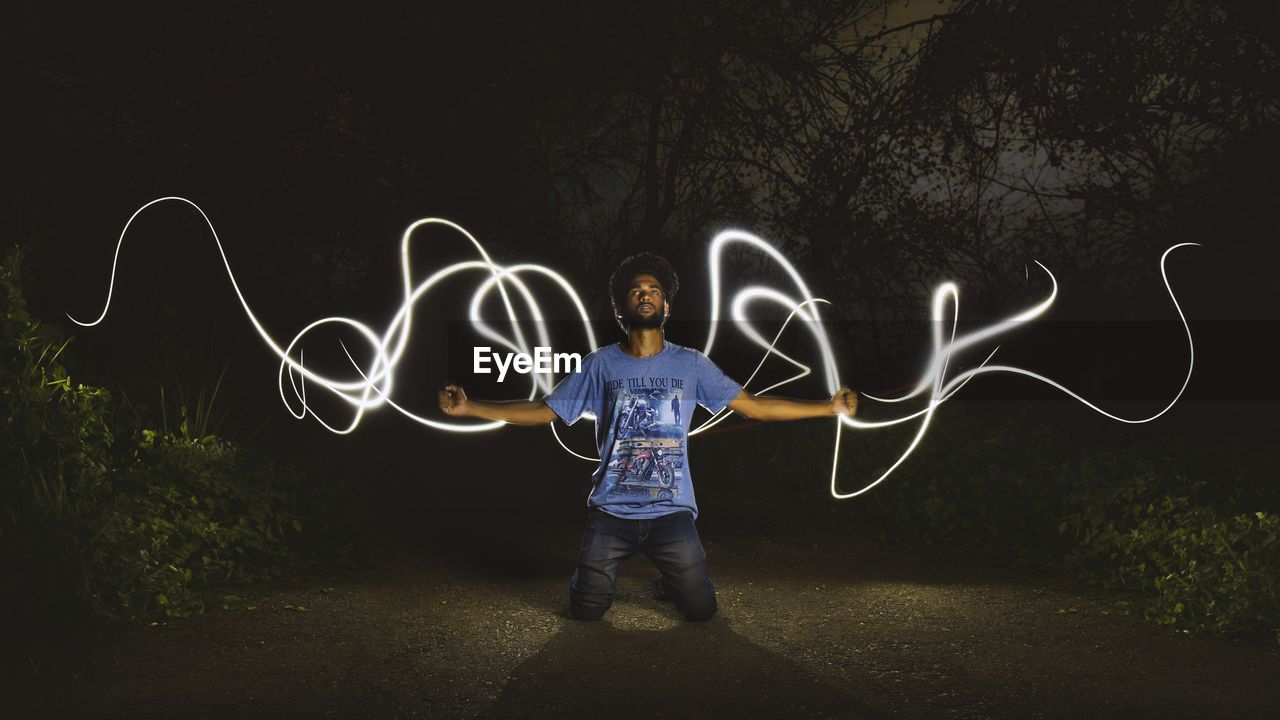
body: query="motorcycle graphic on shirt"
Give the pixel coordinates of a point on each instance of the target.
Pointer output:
(644, 464)
(648, 444)
(637, 416)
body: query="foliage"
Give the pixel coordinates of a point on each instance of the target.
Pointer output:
(89, 526)
(781, 481)
(982, 484)
(54, 456)
(55, 433)
(1190, 538)
(1197, 564)
(1093, 166)
(885, 151)
(203, 420)
(187, 518)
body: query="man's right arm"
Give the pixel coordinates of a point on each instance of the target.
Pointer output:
(455, 403)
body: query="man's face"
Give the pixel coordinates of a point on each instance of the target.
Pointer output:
(646, 303)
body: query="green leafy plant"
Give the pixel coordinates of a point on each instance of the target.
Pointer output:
(1190, 562)
(1190, 539)
(54, 463)
(199, 416)
(188, 517)
(162, 526)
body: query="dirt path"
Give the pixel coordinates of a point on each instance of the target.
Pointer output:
(803, 631)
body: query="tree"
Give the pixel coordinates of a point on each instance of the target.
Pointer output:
(662, 123)
(1093, 138)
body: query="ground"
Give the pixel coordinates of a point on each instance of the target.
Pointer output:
(824, 628)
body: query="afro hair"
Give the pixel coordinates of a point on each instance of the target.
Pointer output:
(646, 262)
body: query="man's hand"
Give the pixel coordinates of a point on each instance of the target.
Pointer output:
(844, 402)
(761, 407)
(453, 401)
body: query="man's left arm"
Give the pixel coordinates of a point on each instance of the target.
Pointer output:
(843, 402)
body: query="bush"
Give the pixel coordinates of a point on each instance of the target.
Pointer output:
(1191, 537)
(54, 460)
(187, 518)
(988, 485)
(1193, 564)
(778, 475)
(162, 527)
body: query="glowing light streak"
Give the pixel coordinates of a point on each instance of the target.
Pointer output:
(941, 390)
(727, 237)
(934, 381)
(719, 417)
(374, 387)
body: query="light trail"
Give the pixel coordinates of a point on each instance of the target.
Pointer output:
(373, 388)
(934, 381)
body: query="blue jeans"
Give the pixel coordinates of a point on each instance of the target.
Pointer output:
(670, 541)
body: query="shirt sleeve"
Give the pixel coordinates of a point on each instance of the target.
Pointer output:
(715, 389)
(576, 393)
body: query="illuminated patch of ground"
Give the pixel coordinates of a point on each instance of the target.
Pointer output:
(847, 631)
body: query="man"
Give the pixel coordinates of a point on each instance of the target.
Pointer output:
(642, 500)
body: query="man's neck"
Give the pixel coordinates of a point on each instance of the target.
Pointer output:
(643, 342)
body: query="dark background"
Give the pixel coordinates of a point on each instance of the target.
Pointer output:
(883, 146)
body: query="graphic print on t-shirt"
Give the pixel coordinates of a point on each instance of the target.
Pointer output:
(648, 443)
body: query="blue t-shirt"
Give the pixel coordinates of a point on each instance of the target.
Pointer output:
(642, 409)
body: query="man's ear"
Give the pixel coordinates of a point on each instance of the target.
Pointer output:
(666, 309)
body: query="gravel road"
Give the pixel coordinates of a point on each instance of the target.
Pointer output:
(849, 628)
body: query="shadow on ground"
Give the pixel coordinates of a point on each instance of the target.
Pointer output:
(471, 621)
(595, 669)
